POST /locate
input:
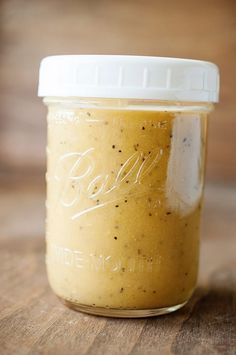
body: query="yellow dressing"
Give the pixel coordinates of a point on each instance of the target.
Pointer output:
(123, 205)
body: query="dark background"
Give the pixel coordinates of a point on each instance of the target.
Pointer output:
(31, 30)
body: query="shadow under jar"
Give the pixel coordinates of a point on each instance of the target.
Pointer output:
(126, 158)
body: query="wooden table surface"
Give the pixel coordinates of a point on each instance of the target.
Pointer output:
(33, 321)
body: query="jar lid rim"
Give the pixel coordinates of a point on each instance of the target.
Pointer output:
(129, 77)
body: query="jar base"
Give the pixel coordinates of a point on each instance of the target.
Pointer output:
(119, 312)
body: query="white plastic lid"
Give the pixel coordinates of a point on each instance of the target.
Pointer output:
(129, 77)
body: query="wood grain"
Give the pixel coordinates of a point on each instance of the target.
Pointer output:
(31, 30)
(33, 321)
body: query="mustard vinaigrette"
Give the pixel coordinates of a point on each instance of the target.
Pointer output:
(125, 176)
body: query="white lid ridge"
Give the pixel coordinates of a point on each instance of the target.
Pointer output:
(129, 77)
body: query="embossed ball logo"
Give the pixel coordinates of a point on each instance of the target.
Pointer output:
(85, 189)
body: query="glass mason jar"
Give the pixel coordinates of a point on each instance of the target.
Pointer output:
(126, 158)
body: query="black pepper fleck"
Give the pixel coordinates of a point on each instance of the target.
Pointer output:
(115, 238)
(113, 146)
(168, 213)
(120, 151)
(150, 214)
(143, 128)
(184, 140)
(121, 289)
(116, 206)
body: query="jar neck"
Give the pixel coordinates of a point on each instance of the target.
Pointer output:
(128, 104)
